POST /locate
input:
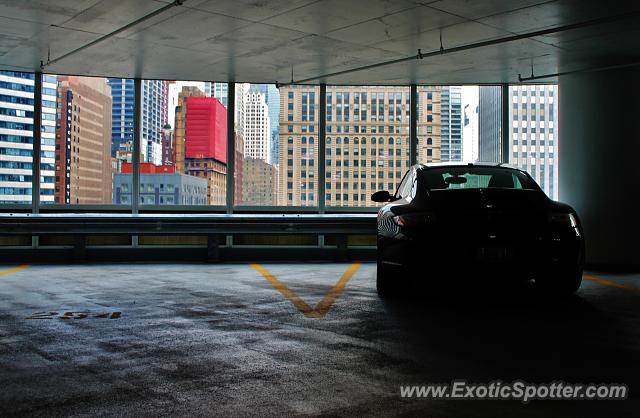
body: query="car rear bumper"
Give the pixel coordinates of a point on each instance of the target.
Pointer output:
(513, 259)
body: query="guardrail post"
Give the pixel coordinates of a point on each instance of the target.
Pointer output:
(213, 248)
(341, 248)
(80, 248)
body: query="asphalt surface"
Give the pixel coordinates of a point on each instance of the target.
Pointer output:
(299, 340)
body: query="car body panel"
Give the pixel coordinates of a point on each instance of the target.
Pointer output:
(519, 232)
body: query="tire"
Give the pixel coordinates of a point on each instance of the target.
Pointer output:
(562, 281)
(384, 284)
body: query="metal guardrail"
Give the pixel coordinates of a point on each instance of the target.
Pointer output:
(183, 224)
(214, 226)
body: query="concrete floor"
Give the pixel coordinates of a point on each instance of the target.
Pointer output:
(276, 340)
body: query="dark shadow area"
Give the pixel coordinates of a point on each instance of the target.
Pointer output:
(481, 332)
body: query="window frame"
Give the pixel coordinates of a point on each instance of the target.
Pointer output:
(320, 203)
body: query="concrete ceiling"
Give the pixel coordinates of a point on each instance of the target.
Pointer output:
(262, 40)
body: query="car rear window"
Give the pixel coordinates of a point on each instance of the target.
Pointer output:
(469, 177)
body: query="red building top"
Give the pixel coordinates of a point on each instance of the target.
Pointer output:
(206, 129)
(149, 168)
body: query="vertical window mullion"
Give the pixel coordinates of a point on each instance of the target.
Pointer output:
(231, 146)
(413, 126)
(135, 158)
(322, 123)
(505, 128)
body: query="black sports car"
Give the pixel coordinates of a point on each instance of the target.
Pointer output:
(490, 219)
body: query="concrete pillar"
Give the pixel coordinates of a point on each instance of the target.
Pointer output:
(599, 161)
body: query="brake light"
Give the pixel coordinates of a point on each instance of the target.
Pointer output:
(414, 220)
(567, 219)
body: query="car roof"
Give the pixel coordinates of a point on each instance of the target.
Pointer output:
(462, 164)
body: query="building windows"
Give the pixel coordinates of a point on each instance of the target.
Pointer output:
(351, 152)
(533, 151)
(376, 114)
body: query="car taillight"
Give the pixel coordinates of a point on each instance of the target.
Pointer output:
(414, 219)
(566, 219)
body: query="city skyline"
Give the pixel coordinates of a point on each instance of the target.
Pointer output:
(452, 126)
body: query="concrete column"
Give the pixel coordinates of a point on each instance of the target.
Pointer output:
(599, 161)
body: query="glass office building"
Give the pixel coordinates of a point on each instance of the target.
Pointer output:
(16, 137)
(154, 116)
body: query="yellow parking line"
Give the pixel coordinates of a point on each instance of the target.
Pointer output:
(13, 270)
(285, 291)
(610, 283)
(323, 306)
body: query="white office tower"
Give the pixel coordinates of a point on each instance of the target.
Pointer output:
(470, 145)
(257, 127)
(154, 116)
(238, 117)
(451, 123)
(16, 137)
(533, 121)
(48, 139)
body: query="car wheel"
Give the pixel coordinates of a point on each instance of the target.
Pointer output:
(384, 284)
(561, 281)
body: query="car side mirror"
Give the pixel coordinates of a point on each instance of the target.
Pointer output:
(381, 196)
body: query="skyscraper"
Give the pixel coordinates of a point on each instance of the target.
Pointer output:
(48, 138)
(367, 142)
(298, 172)
(83, 141)
(470, 110)
(533, 121)
(206, 129)
(238, 117)
(16, 137)
(470, 133)
(490, 123)
(257, 127)
(218, 90)
(155, 97)
(208, 88)
(429, 124)
(272, 98)
(238, 173)
(261, 187)
(451, 120)
(180, 124)
(201, 141)
(123, 98)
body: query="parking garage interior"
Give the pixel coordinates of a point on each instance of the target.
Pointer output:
(186, 223)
